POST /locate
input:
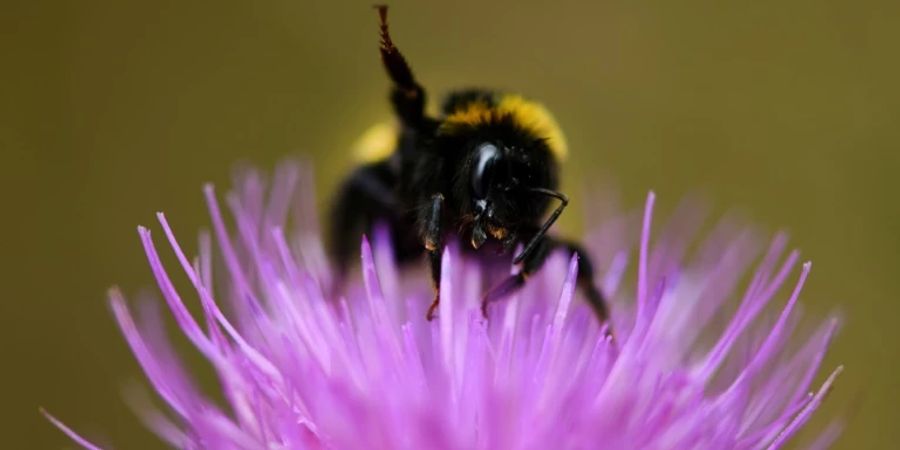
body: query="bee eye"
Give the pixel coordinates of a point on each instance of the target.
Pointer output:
(486, 158)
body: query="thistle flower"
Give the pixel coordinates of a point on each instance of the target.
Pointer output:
(706, 355)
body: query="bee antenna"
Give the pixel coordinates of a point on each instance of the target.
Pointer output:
(532, 244)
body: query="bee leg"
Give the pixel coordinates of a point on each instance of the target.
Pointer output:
(507, 287)
(434, 258)
(434, 243)
(530, 264)
(533, 262)
(407, 95)
(585, 279)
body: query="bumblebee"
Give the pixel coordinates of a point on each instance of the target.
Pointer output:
(486, 171)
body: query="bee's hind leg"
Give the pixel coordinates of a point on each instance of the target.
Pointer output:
(407, 95)
(585, 280)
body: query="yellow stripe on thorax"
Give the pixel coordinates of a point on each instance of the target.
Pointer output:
(528, 114)
(377, 143)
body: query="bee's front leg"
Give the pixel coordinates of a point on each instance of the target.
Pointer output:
(534, 260)
(531, 263)
(432, 237)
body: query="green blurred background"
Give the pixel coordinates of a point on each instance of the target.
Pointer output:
(112, 110)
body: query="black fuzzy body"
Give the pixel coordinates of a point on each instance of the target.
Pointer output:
(484, 170)
(396, 192)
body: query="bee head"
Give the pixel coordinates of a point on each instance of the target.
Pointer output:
(500, 177)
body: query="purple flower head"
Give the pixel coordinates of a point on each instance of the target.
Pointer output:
(708, 351)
